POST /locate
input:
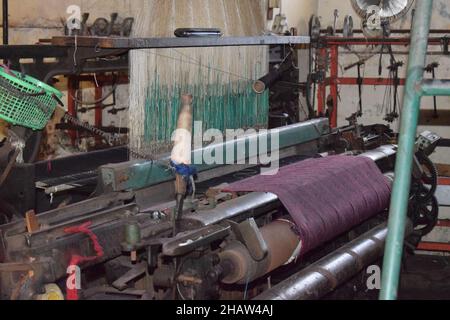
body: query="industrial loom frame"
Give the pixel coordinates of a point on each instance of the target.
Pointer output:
(416, 88)
(328, 47)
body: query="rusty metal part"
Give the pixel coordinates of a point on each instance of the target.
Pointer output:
(161, 43)
(238, 264)
(164, 276)
(136, 272)
(250, 235)
(326, 275)
(282, 243)
(31, 221)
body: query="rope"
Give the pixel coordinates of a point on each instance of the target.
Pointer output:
(76, 260)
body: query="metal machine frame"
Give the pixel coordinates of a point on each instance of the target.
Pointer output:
(416, 88)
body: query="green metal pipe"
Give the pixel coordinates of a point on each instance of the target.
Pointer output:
(403, 170)
(435, 88)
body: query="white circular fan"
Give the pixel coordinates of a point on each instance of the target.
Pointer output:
(388, 10)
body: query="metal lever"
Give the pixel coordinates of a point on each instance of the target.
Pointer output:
(249, 234)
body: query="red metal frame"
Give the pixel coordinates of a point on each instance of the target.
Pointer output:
(102, 80)
(329, 46)
(444, 181)
(321, 88)
(434, 247)
(334, 74)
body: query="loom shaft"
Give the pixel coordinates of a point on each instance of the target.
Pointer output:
(323, 277)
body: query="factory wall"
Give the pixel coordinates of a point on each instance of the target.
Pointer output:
(373, 97)
(31, 20)
(298, 13)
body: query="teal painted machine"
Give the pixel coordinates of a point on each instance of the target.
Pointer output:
(137, 175)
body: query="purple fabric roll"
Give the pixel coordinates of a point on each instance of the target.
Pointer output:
(326, 197)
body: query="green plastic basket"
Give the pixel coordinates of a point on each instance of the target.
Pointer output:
(26, 101)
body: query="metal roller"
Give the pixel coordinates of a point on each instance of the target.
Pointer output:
(282, 242)
(326, 275)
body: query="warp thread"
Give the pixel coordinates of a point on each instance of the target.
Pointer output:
(219, 78)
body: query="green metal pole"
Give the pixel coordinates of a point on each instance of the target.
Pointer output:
(403, 170)
(435, 88)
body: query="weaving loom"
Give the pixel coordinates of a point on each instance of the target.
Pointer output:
(325, 197)
(219, 79)
(228, 240)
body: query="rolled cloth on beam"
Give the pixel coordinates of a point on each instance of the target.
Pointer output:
(326, 197)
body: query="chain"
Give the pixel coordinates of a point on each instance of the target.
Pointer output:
(111, 139)
(138, 155)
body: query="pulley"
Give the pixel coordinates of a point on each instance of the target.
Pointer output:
(314, 28)
(388, 10)
(377, 15)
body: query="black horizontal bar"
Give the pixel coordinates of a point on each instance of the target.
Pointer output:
(161, 43)
(31, 51)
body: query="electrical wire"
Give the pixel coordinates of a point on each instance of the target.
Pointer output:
(195, 62)
(92, 103)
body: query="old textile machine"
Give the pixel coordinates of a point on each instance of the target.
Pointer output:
(300, 234)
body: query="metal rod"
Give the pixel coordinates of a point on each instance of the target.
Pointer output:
(367, 81)
(161, 43)
(396, 31)
(404, 41)
(5, 22)
(435, 88)
(326, 275)
(408, 131)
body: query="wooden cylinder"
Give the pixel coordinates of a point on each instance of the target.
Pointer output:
(182, 138)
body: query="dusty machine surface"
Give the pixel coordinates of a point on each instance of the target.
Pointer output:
(293, 207)
(130, 241)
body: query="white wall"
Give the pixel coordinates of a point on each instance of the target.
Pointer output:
(298, 13)
(31, 20)
(373, 96)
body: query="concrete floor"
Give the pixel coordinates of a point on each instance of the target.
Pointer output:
(425, 278)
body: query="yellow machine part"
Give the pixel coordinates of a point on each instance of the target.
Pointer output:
(52, 293)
